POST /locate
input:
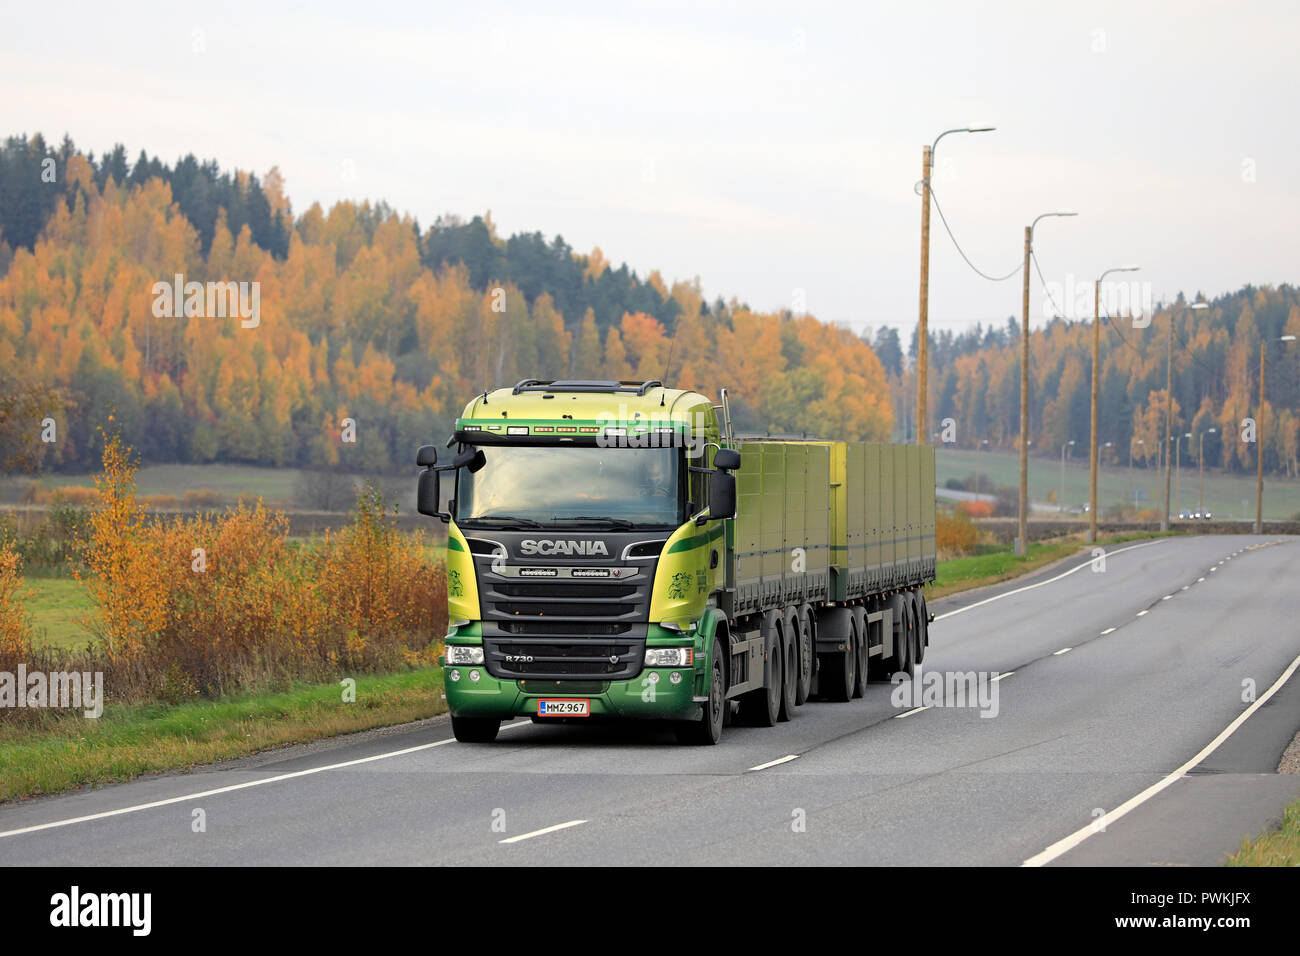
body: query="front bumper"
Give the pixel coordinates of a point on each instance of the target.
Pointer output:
(643, 697)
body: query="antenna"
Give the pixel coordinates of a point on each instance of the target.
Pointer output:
(669, 364)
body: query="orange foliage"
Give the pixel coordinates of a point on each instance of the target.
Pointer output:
(955, 534)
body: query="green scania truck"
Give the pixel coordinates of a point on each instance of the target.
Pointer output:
(615, 551)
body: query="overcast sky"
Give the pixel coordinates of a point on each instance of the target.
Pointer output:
(764, 148)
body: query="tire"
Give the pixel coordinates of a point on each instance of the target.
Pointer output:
(860, 625)
(904, 638)
(475, 730)
(802, 626)
(762, 707)
(839, 671)
(789, 674)
(922, 627)
(707, 731)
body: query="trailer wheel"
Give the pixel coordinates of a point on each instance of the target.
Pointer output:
(475, 730)
(906, 640)
(797, 623)
(808, 628)
(708, 729)
(789, 673)
(860, 626)
(762, 707)
(839, 670)
(922, 626)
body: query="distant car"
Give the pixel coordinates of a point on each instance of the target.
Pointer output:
(1207, 516)
(1183, 516)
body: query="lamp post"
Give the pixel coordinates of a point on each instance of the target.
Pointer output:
(1178, 472)
(1060, 502)
(1096, 379)
(1200, 461)
(923, 331)
(1023, 527)
(1259, 438)
(1169, 402)
(1131, 443)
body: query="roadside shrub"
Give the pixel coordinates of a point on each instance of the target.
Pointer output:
(215, 603)
(15, 627)
(976, 509)
(955, 534)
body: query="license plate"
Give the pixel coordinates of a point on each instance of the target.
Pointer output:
(563, 707)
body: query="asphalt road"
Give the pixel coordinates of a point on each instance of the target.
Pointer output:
(1160, 645)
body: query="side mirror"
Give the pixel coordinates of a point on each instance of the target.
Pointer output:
(427, 456)
(726, 459)
(427, 497)
(722, 495)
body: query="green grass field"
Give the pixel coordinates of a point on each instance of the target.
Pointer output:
(1224, 493)
(57, 607)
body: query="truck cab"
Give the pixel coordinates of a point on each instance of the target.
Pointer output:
(586, 544)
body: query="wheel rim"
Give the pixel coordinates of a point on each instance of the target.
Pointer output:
(715, 695)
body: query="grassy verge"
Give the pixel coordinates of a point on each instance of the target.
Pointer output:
(1277, 848)
(975, 571)
(67, 751)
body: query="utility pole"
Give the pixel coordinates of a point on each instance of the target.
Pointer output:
(1169, 412)
(1200, 458)
(1096, 385)
(923, 323)
(1022, 541)
(1259, 444)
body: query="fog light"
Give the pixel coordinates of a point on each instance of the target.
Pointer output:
(464, 654)
(669, 656)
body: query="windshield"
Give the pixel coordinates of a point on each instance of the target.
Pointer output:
(572, 485)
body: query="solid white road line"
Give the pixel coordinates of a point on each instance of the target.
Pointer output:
(772, 763)
(1061, 847)
(1000, 676)
(543, 831)
(914, 710)
(1030, 587)
(202, 794)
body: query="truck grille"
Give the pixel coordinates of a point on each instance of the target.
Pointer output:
(617, 660)
(591, 630)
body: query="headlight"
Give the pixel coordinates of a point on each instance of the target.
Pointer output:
(464, 654)
(669, 656)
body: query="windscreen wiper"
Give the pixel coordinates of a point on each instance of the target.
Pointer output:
(507, 520)
(616, 522)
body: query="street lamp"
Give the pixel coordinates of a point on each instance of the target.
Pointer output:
(1096, 378)
(1259, 438)
(1022, 540)
(1060, 502)
(923, 325)
(1200, 460)
(1169, 402)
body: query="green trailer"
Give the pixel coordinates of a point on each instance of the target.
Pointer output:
(613, 551)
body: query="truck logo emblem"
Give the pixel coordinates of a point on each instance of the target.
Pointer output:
(547, 546)
(613, 658)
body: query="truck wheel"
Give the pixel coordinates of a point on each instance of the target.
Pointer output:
(839, 671)
(475, 730)
(903, 661)
(860, 626)
(922, 627)
(708, 729)
(790, 673)
(762, 707)
(796, 623)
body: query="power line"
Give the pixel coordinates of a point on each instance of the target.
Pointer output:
(1037, 268)
(943, 219)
